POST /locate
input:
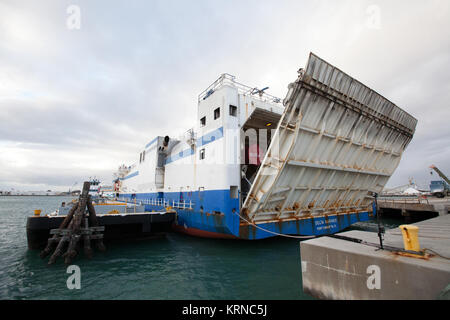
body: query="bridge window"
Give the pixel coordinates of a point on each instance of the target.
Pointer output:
(233, 111)
(217, 113)
(203, 122)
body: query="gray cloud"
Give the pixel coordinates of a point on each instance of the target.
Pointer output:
(78, 103)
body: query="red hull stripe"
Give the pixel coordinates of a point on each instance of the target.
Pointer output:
(202, 233)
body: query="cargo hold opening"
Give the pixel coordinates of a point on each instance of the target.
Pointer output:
(256, 135)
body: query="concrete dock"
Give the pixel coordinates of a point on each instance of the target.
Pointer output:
(339, 269)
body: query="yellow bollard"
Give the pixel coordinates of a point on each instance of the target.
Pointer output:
(410, 237)
(37, 212)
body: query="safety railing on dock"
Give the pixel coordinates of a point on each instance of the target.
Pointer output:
(405, 200)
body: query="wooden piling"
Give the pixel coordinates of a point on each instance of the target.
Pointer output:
(53, 240)
(93, 221)
(80, 225)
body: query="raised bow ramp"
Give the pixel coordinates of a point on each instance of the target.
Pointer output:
(337, 141)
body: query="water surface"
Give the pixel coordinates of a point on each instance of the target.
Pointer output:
(172, 267)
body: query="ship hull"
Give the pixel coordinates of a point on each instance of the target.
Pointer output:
(213, 214)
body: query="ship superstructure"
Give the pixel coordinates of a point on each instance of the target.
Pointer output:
(255, 167)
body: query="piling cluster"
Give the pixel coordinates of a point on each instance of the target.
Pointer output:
(80, 224)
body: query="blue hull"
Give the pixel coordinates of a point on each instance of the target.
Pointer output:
(214, 214)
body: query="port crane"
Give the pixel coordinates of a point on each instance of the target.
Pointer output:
(440, 173)
(439, 188)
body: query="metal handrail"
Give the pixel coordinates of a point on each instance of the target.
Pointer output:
(183, 204)
(227, 78)
(405, 200)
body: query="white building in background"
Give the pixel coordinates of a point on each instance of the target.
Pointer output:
(411, 191)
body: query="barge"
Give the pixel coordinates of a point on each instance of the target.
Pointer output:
(255, 166)
(120, 221)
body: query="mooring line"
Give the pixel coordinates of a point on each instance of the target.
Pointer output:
(274, 233)
(436, 253)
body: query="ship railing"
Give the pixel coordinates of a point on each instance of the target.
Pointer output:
(190, 136)
(181, 204)
(228, 79)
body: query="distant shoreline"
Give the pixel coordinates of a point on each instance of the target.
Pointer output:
(37, 195)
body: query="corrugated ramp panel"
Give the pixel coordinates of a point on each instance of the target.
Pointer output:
(336, 142)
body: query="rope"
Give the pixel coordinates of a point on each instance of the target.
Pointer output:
(274, 233)
(309, 237)
(438, 254)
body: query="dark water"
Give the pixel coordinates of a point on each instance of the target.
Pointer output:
(173, 267)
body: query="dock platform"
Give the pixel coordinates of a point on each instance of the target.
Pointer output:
(408, 206)
(339, 269)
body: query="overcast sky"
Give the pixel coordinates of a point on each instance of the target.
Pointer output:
(76, 103)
